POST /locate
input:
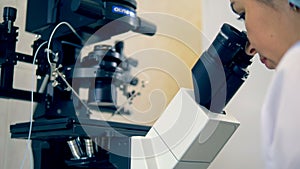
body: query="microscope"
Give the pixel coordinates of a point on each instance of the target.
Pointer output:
(189, 133)
(61, 126)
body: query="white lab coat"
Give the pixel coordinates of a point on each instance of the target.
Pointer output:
(281, 114)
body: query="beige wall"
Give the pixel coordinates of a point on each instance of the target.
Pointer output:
(177, 23)
(13, 111)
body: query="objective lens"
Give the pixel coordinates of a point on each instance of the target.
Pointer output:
(89, 147)
(75, 150)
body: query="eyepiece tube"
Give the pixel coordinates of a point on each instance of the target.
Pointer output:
(221, 70)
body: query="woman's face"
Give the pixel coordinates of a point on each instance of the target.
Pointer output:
(267, 29)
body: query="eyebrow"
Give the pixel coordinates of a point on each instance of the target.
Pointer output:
(232, 8)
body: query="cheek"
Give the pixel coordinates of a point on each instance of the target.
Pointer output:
(259, 39)
(257, 27)
(263, 32)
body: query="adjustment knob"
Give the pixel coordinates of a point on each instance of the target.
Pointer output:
(9, 14)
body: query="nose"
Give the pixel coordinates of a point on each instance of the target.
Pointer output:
(250, 50)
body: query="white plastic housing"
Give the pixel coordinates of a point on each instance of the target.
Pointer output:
(186, 135)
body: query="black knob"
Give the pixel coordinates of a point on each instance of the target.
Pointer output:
(9, 14)
(119, 46)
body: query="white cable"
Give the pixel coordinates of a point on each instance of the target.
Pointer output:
(48, 57)
(31, 111)
(33, 80)
(51, 36)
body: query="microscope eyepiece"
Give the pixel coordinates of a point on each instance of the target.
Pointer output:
(221, 70)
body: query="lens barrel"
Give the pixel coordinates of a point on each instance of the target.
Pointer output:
(221, 69)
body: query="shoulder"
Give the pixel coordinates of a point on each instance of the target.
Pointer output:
(291, 59)
(284, 89)
(287, 75)
(280, 113)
